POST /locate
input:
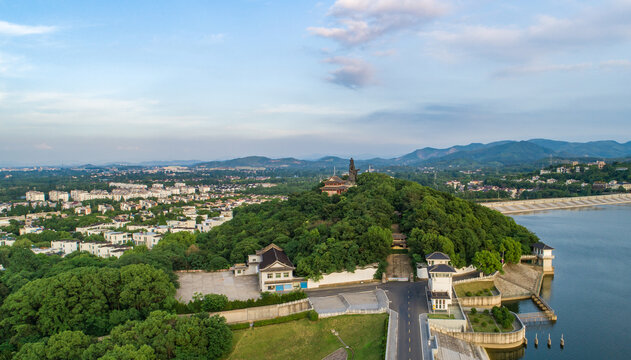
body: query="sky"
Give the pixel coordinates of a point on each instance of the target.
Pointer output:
(108, 81)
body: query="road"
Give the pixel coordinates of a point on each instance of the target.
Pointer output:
(408, 300)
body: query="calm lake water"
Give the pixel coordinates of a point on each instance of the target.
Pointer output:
(591, 288)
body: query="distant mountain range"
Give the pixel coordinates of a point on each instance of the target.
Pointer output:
(500, 153)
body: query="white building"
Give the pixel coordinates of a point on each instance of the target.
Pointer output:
(440, 280)
(35, 196)
(117, 237)
(544, 256)
(31, 230)
(55, 195)
(149, 239)
(275, 270)
(64, 247)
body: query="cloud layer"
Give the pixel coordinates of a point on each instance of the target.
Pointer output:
(10, 29)
(357, 22)
(351, 73)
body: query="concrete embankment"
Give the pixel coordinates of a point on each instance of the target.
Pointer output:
(520, 206)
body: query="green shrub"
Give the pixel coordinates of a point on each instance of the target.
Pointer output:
(474, 311)
(496, 330)
(468, 293)
(475, 320)
(312, 315)
(484, 323)
(214, 302)
(486, 311)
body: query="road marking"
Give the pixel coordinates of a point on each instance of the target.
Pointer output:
(410, 349)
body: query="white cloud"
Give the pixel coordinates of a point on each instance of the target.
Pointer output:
(10, 29)
(303, 109)
(351, 72)
(536, 69)
(361, 21)
(616, 64)
(548, 34)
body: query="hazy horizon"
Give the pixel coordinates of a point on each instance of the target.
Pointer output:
(145, 81)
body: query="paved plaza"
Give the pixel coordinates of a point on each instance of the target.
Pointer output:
(350, 302)
(224, 282)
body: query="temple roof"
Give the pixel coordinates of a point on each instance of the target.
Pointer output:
(441, 268)
(437, 255)
(542, 246)
(272, 255)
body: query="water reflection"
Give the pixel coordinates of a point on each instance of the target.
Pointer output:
(507, 354)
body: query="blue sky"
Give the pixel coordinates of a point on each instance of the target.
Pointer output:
(161, 80)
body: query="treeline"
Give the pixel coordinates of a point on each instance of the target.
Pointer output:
(60, 308)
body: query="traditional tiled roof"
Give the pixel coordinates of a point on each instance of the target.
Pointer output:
(542, 246)
(437, 255)
(272, 255)
(441, 268)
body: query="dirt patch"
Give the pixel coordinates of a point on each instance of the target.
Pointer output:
(398, 266)
(223, 282)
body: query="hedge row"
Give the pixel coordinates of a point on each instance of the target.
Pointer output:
(216, 302)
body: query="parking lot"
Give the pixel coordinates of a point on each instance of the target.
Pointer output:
(223, 282)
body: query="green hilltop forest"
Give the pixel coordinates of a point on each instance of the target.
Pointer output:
(323, 234)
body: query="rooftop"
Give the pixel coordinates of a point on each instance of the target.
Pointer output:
(542, 246)
(272, 255)
(437, 255)
(441, 268)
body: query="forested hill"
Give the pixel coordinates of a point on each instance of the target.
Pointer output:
(323, 234)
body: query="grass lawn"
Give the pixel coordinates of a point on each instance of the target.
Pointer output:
(476, 288)
(478, 326)
(305, 339)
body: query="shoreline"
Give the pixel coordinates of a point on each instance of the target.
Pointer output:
(526, 206)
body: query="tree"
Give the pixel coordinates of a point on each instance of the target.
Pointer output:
(487, 261)
(67, 345)
(512, 250)
(214, 302)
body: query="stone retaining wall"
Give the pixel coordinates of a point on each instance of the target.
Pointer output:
(264, 312)
(489, 340)
(481, 301)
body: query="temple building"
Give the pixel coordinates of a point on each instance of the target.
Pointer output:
(440, 280)
(336, 185)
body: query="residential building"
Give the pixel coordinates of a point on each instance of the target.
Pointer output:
(55, 195)
(64, 247)
(35, 196)
(31, 230)
(149, 239)
(117, 237)
(275, 270)
(83, 210)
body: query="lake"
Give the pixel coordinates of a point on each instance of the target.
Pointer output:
(591, 288)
